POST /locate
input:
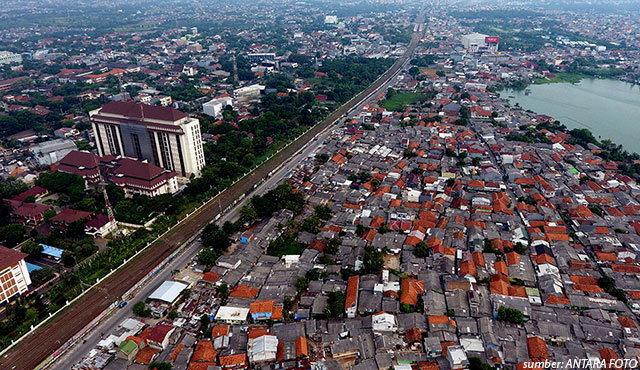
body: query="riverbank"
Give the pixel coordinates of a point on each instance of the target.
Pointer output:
(561, 77)
(576, 77)
(607, 107)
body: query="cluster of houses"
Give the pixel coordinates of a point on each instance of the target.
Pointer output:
(132, 176)
(492, 249)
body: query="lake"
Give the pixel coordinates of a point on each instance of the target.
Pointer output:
(609, 108)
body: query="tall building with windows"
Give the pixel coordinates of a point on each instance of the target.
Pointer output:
(14, 275)
(477, 42)
(7, 57)
(164, 136)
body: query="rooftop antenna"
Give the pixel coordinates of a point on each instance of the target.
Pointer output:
(110, 213)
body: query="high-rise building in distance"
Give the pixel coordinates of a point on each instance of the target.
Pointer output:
(163, 136)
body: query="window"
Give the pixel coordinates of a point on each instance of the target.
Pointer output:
(152, 138)
(136, 145)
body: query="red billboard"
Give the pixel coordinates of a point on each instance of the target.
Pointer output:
(492, 39)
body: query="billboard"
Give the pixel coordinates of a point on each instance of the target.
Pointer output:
(492, 39)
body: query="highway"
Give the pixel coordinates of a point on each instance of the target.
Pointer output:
(36, 347)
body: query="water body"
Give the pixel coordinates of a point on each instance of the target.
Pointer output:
(609, 108)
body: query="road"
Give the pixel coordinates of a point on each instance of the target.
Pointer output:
(91, 339)
(36, 347)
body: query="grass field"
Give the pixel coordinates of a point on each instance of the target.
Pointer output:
(399, 102)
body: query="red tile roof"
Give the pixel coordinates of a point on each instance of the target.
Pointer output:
(352, 292)
(626, 322)
(302, 347)
(81, 163)
(220, 331)
(262, 306)
(135, 110)
(211, 277)
(243, 291)
(10, 257)
(159, 333)
(146, 355)
(414, 335)
(233, 360)
(67, 216)
(204, 352)
(411, 288)
(537, 349)
(133, 172)
(28, 210)
(257, 332)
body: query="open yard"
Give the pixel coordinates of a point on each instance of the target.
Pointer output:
(399, 101)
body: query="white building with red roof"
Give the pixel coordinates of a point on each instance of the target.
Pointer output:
(135, 177)
(14, 276)
(99, 226)
(351, 297)
(164, 136)
(83, 164)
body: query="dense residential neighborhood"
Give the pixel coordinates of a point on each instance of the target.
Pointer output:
(434, 224)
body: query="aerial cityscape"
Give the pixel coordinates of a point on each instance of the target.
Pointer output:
(319, 184)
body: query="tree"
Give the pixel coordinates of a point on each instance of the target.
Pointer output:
(475, 363)
(160, 366)
(12, 234)
(323, 212)
(61, 182)
(75, 230)
(313, 274)
(364, 176)
(511, 315)
(172, 315)
(204, 322)
(332, 246)
(520, 248)
(608, 284)
(301, 283)
(223, 292)
(228, 227)
(32, 248)
(49, 213)
(322, 158)
(139, 309)
(390, 93)
(248, 215)
(372, 261)
(421, 250)
(41, 276)
(335, 304)
(207, 256)
(215, 238)
(68, 258)
(312, 224)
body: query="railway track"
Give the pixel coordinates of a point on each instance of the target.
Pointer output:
(36, 347)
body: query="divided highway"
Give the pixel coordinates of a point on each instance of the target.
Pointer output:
(35, 348)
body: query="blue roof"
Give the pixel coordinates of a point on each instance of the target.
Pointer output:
(51, 251)
(31, 267)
